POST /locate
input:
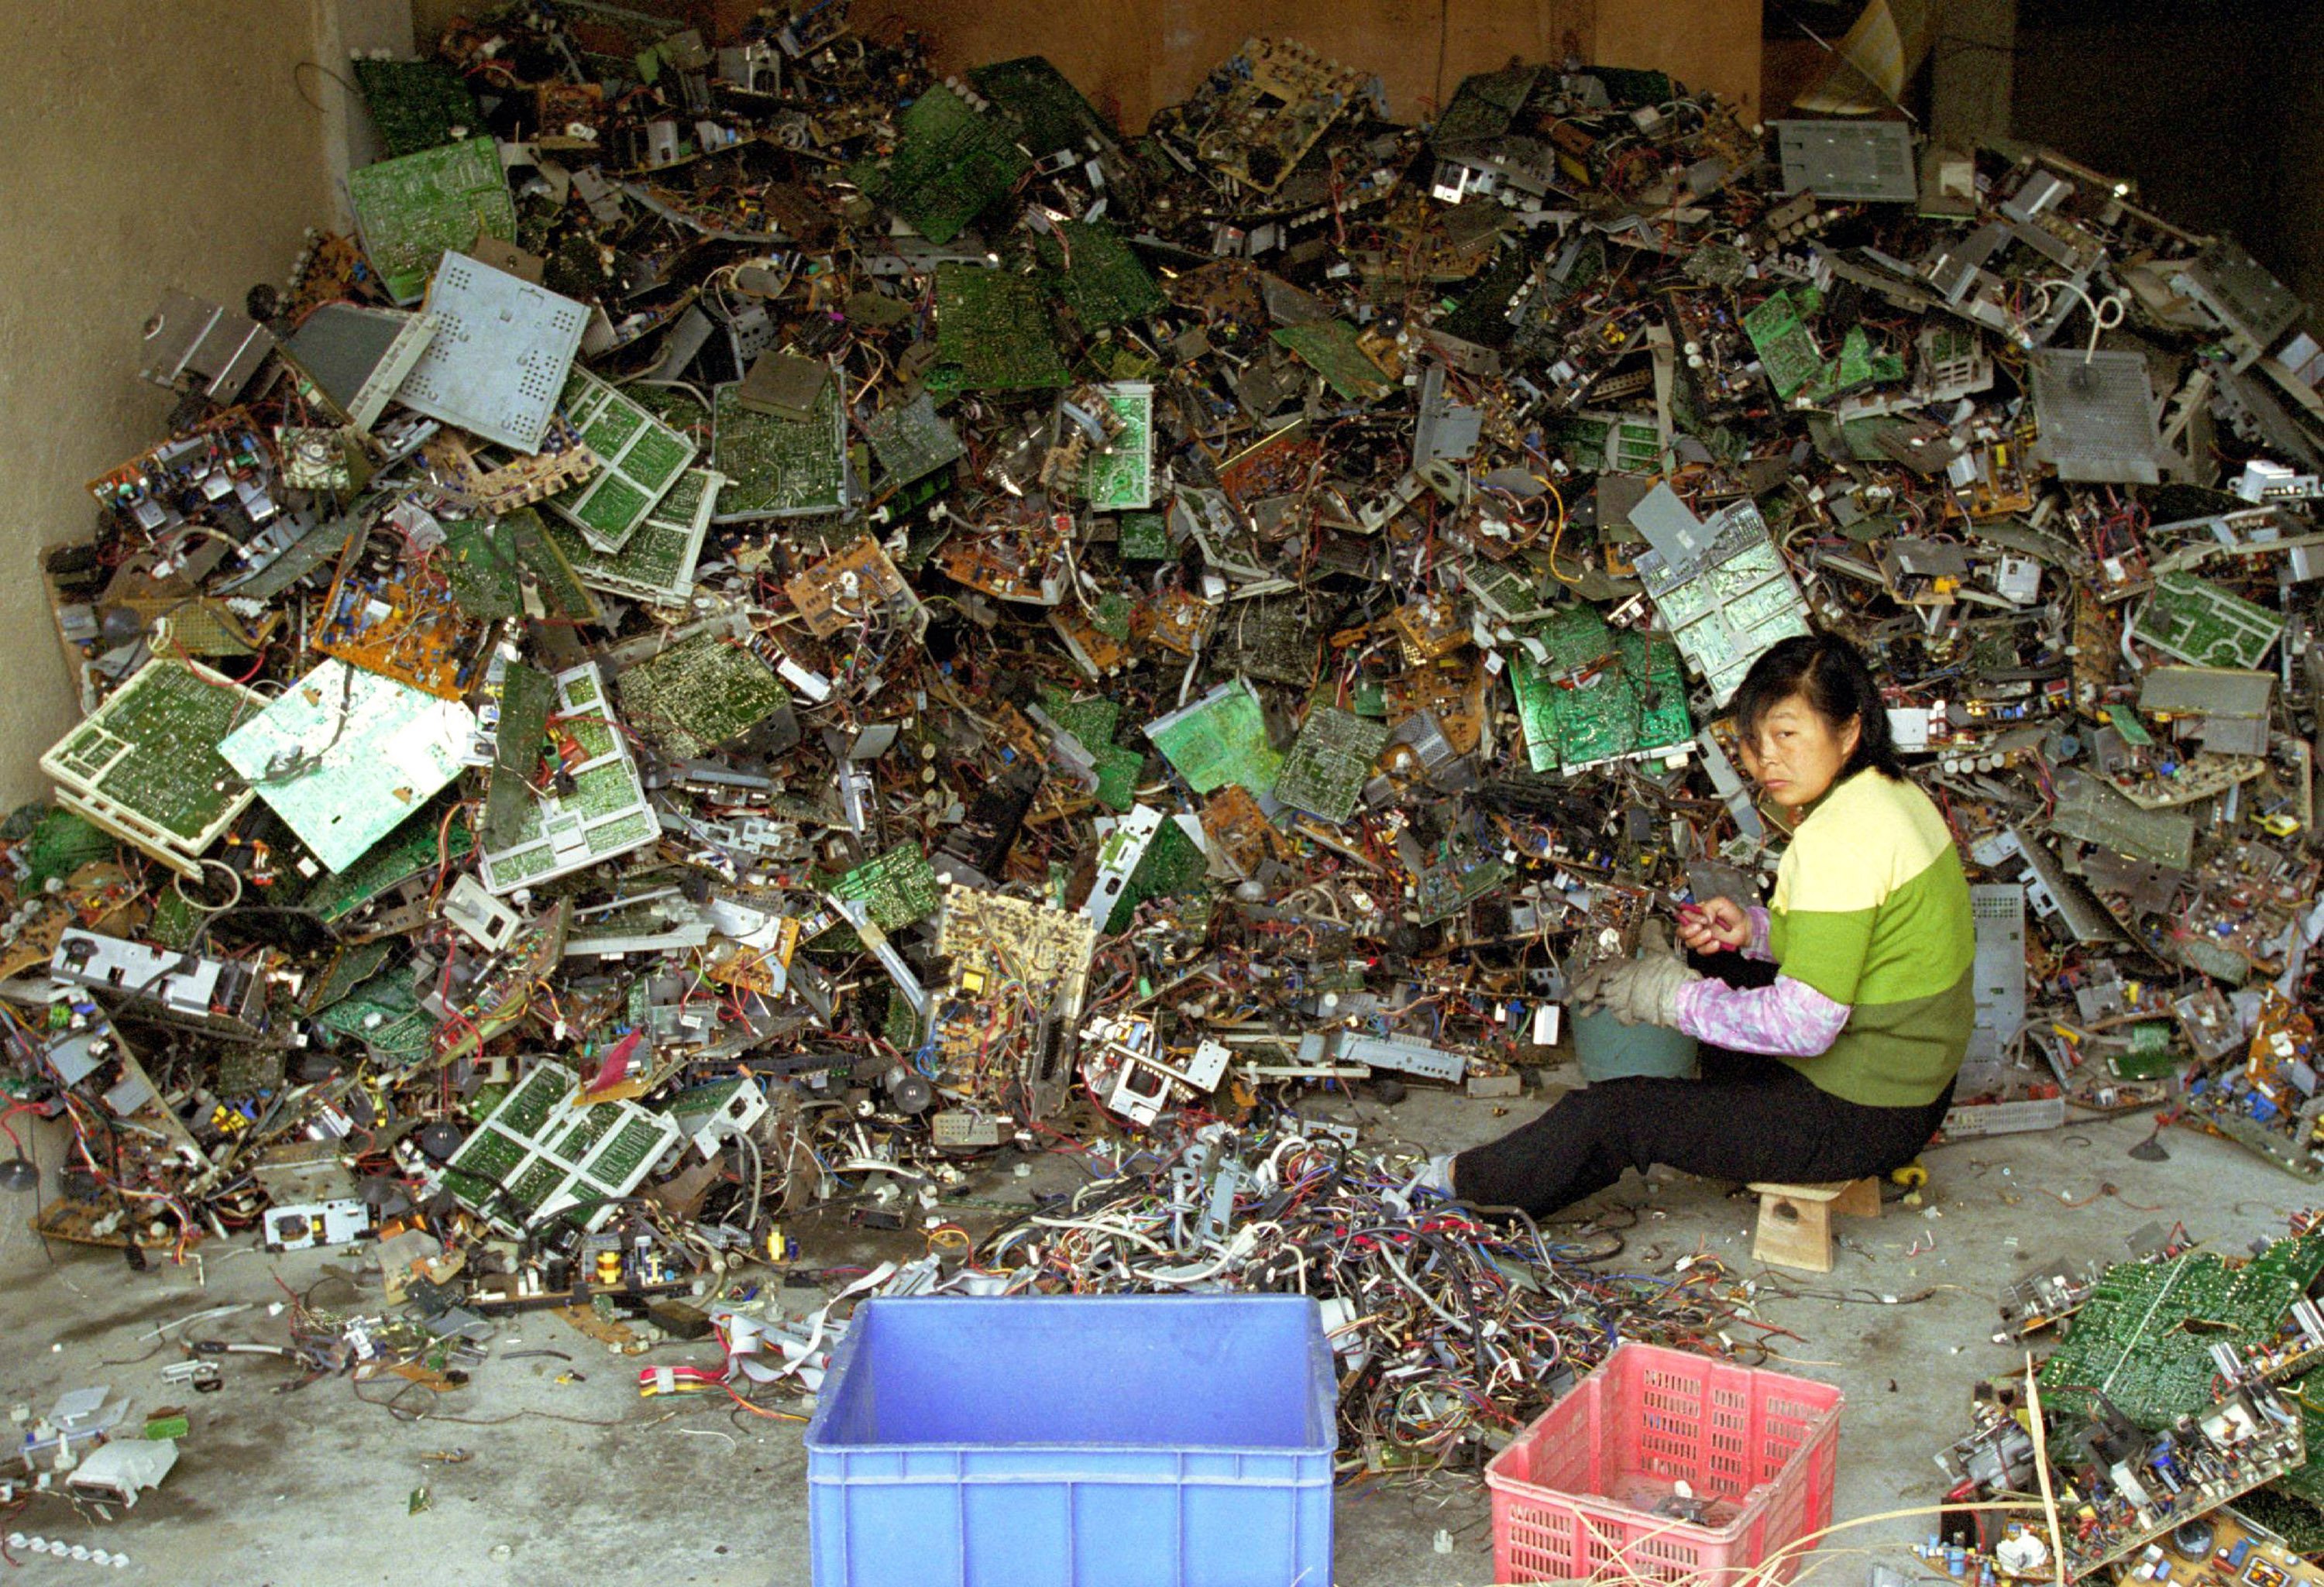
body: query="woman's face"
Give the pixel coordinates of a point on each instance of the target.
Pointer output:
(1797, 754)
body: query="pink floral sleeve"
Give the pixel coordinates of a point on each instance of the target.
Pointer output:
(1791, 1017)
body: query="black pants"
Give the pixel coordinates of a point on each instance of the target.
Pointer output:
(1750, 1117)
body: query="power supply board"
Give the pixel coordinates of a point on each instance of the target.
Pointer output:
(777, 468)
(411, 209)
(699, 693)
(145, 765)
(895, 889)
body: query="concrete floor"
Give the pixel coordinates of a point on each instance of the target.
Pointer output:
(315, 1487)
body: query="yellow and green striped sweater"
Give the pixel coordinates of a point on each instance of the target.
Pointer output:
(1871, 909)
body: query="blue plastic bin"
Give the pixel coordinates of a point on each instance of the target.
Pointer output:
(1099, 1441)
(1608, 1049)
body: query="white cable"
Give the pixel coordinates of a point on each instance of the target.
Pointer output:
(2118, 301)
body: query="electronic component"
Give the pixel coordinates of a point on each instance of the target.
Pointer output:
(992, 335)
(223, 996)
(593, 808)
(2198, 621)
(700, 692)
(313, 1225)
(1330, 762)
(414, 210)
(656, 564)
(777, 468)
(547, 1153)
(343, 756)
(145, 765)
(640, 458)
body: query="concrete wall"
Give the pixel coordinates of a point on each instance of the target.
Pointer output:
(141, 146)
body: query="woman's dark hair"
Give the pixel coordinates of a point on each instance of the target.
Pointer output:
(1830, 675)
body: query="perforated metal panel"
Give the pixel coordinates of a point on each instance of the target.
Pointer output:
(503, 349)
(2097, 415)
(1862, 162)
(1998, 977)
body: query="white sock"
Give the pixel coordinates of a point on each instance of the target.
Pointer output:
(1438, 1175)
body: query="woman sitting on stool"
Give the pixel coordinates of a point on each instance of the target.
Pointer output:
(1844, 1066)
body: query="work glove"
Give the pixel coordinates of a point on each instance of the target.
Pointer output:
(1642, 990)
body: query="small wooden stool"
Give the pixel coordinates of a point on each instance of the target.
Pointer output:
(1795, 1220)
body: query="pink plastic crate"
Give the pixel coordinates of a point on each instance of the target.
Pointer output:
(1574, 1497)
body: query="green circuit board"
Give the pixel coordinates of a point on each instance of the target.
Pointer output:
(409, 209)
(1219, 739)
(1122, 476)
(415, 104)
(2144, 1338)
(699, 693)
(1600, 695)
(951, 160)
(992, 335)
(1779, 335)
(777, 468)
(1048, 111)
(895, 889)
(1094, 276)
(657, 563)
(1145, 537)
(912, 441)
(1330, 762)
(2198, 621)
(1332, 348)
(146, 762)
(640, 458)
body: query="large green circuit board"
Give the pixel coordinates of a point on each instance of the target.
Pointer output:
(2144, 1339)
(1094, 276)
(777, 468)
(951, 160)
(1330, 762)
(409, 210)
(699, 693)
(1599, 694)
(656, 565)
(992, 335)
(641, 460)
